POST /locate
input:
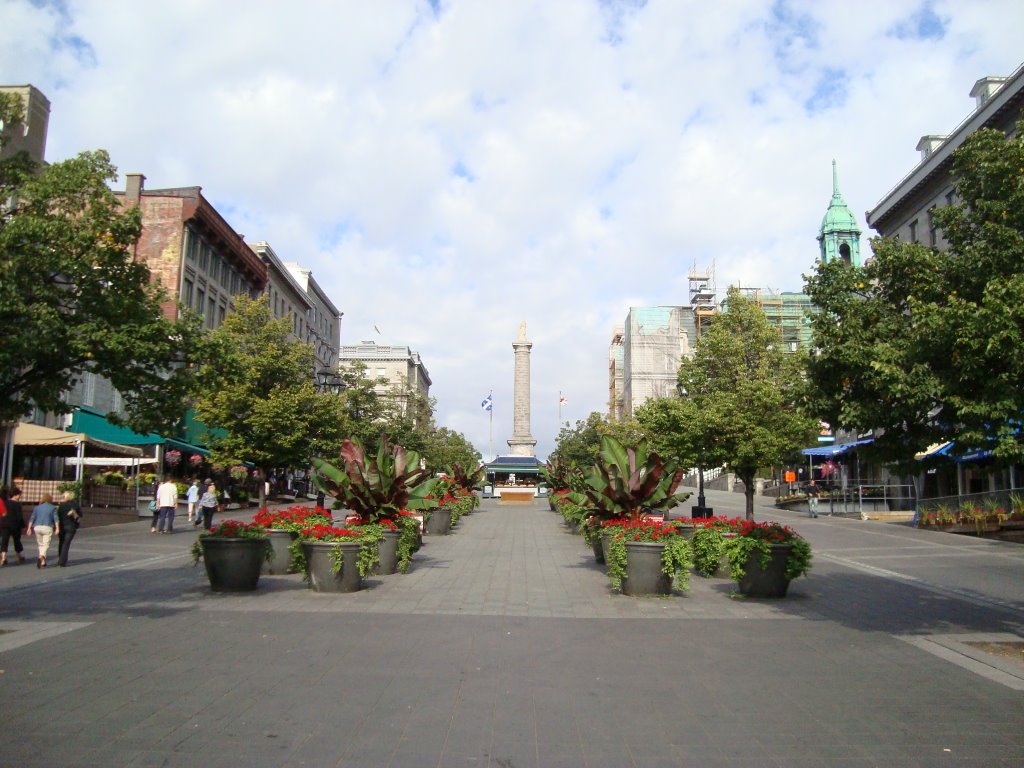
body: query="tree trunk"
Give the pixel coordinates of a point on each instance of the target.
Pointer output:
(261, 488)
(748, 492)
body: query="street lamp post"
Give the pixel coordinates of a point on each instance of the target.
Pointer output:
(327, 381)
(700, 510)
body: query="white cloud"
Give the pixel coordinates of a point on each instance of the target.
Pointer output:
(448, 174)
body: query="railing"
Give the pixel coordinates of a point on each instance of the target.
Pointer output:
(1003, 498)
(859, 499)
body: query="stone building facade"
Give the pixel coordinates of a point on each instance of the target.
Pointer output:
(30, 134)
(192, 251)
(906, 210)
(323, 323)
(398, 366)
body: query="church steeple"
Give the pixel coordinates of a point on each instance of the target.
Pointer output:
(839, 236)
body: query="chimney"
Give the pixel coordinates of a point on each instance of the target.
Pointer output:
(134, 183)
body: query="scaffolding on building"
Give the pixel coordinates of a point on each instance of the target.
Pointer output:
(702, 296)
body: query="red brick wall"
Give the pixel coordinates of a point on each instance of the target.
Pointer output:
(160, 245)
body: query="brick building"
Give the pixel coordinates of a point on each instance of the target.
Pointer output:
(192, 251)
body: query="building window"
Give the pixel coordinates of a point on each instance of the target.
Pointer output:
(204, 255)
(186, 293)
(844, 252)
(211, 309)
(933, 237)
(88, 388)
(913, 231)
(200, 300)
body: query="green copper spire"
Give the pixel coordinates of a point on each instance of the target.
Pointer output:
(839, 235)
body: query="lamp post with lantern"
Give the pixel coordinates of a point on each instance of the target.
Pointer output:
(328, 381)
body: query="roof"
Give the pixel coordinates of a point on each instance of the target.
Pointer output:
(29, 435)
(1007, 100)
(527, 464)
(96, 426)
(838, 217)
(835, 450)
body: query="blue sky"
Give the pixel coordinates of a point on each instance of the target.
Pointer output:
(450, 168)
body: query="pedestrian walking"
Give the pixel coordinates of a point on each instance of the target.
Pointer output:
(193, 500)
(166, 503)
(208, 504)
(11, 524)
(69, 516)
(43, 524)
(812, 499)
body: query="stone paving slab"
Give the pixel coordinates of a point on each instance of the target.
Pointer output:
(504, 647)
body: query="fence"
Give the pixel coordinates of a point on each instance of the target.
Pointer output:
(865, 500)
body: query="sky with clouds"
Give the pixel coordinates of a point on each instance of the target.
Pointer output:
(452, 167)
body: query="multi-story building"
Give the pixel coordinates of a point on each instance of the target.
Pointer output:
(285, 297)
(29, 135)
(655, 341)
(906, 210)
(323, 323)
(398, 366)
(616, 374)
(789, 311)
(192, 251)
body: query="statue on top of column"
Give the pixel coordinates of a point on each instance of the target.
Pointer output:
(522, 331)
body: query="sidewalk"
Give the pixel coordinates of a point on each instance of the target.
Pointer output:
(504, 647)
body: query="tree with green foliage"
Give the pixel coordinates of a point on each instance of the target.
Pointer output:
(259, 387)
(580, 445)
(682, 432)
(446, 447)
(73, 300)
(365, 411)
(922, 345)
(741, 385)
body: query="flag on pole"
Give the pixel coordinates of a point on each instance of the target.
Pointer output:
(562, 400)
(488, 403)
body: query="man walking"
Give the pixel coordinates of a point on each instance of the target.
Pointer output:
(166, 502)
(812, 499)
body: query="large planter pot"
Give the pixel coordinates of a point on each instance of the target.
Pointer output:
(605, 537)
(320, 565)
(280, 540)
(643, 570)
(767, 581)
(387, 552)
(598, 546)
(440, 522)
(233, 565)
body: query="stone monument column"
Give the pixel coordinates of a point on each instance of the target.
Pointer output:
(521, 442)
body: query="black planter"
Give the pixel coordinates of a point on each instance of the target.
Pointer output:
(643, 570)
(598, 546)
(233, 565)
(767, 581)
(387, 552)
(280, 539)
(320, 565)
(440, 522)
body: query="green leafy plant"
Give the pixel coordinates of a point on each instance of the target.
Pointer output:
(75, 487)
(752, 539)
(676, 556)
(366, 535)
(708, 545)
(379, 487)
(631, 482)
(233, 529)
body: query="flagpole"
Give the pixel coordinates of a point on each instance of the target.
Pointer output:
(559, 409)
(490, 428)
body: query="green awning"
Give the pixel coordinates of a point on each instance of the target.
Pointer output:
(96, 425)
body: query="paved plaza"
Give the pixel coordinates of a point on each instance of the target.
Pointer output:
(503, 647)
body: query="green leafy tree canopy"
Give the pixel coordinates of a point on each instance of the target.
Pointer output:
(742, 386)
(74, 300)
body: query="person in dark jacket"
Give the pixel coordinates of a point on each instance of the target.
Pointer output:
(12, 523)
(69, 513)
